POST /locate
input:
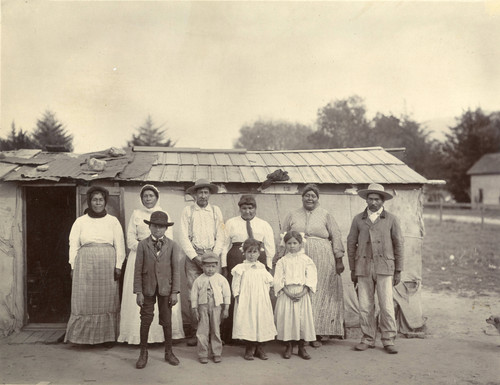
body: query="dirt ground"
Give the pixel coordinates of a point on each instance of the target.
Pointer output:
(456, 351)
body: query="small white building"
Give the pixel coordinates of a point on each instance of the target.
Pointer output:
(485, 180)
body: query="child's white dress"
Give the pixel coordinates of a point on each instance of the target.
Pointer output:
(294, 320)
(253, 313)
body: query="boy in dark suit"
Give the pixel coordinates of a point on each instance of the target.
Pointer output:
(156, 276)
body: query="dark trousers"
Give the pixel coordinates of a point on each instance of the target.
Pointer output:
(147, 313)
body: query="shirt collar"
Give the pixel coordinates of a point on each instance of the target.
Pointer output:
(206, 208)
(367, 213)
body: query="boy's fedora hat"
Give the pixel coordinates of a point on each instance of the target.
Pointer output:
(375, 188)
(159, 218)
(200, 183)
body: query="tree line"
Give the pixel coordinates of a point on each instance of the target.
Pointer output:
(341, 123)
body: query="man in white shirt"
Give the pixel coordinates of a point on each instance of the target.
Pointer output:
(201, 232)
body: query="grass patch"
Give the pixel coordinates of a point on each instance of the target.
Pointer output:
(461, 257)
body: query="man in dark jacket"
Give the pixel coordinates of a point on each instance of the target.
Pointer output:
(375, 250)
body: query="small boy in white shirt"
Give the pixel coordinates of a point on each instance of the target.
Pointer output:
(210, 298)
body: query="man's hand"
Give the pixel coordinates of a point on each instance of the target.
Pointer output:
(173, 299)
(339, 266)
(224, 272)
(354, 277)
(397, 278)
(196, 315)
(197, 260)
(139, 299)
(118, 273)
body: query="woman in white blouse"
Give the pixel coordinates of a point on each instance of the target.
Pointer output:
(137, 230)
(96, 255)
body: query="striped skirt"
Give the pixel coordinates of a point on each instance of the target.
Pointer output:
(95, 302)
(328, 301)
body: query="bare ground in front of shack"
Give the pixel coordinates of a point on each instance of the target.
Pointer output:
(460, 349)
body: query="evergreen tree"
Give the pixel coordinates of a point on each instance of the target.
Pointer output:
(475, 134)
(149, 135)
(16, 140)
(50, 132)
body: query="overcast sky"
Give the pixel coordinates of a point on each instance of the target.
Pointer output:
(204, 69)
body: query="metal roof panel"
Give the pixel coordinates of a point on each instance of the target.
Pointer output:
(223, 159)
(219, 174)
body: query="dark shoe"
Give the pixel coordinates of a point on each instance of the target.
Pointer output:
(302, 352)
(217, 359)
(143, 359)
(260, 353)
(288, 351)
(171, 358)
(315, 344)
(109, 344)
(203, 360)
(390, 349)
(361, 347)
(193, 341)
(249, 351)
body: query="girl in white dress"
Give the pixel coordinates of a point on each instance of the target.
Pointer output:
(253, 313)
(295, 280)
(137, 230)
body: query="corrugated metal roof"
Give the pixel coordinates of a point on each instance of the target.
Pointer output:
(186, 165)
(337, 166)
(488, 164)
(54, 166)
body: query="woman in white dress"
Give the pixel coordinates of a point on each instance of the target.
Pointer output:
(130, 318)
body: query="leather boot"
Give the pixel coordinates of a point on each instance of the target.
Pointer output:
(288, 350)
(169, 355)
(302, 351)
(249, 350)
(259, 351)
(143, 358)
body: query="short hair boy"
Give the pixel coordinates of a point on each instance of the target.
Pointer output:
(210, 298)
(156, 277)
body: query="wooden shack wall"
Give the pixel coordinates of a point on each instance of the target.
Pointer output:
(11, 259)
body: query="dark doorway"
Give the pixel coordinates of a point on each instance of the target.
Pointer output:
(50, 213)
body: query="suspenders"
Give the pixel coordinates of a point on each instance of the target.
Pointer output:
(190, 230)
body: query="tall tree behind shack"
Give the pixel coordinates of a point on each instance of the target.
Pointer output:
(274, 135)
(16, 140)
(49, 132)
(149, 135)
(474, 135)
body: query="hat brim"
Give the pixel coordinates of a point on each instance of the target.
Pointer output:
(364, 194)
(210, 260)
(168, 224)
(213, 188)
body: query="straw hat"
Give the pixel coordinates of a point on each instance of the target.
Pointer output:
(200, 183)
(375, 188)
